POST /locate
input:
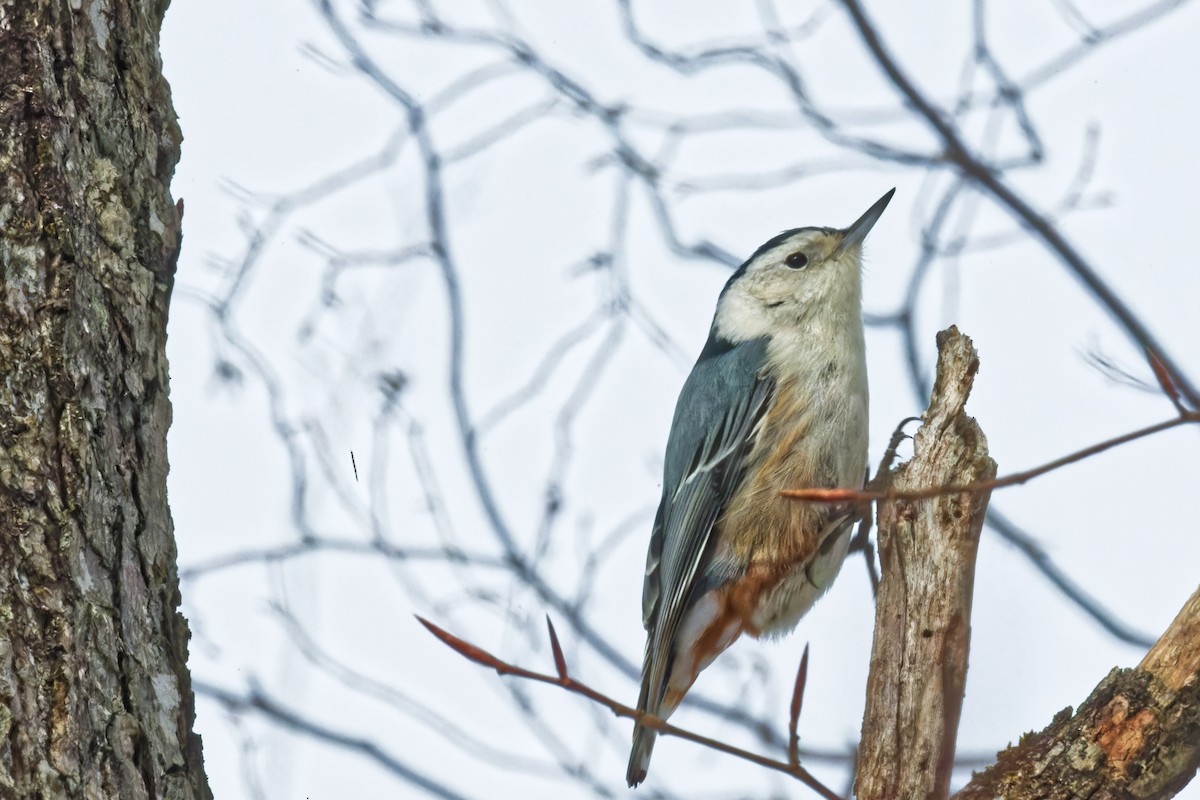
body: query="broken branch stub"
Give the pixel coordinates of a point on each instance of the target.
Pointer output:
(927, 552)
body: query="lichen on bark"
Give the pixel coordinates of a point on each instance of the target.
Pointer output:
(1136, 736)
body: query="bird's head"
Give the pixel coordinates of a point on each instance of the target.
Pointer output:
(794, 276)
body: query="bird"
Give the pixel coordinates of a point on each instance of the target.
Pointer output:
(777, 400)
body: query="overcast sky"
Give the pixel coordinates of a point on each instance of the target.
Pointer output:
(269, 108)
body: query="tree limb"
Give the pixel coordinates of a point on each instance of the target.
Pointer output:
(1136, 736)
(927, 551)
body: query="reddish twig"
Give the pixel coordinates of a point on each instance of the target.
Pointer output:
(564, 681)
(560, 661)
(856, 496)
(794, 717)
(1166, 382)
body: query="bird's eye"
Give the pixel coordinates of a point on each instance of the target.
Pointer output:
(796, 260)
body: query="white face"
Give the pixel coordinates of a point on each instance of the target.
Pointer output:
(783, 286)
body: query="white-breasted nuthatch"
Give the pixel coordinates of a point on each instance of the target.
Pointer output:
(777, 400)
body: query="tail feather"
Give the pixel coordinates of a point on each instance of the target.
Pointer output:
(643, 737)
(639, 757)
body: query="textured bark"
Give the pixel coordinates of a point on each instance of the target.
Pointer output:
(1136, 736)
(95, 698)
(927, 552)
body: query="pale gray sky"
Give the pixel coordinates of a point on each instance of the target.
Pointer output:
(267, 103)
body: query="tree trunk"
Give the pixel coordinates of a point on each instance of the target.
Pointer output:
(95, 698)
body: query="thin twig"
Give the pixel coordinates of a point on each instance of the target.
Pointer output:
(1166, 381)
(861, 543)
(294, 722)
(794, 716)
(856, 496)
(564, 681)
(989, 179)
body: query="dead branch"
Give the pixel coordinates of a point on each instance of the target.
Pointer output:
(1136, 736)
(927, 551)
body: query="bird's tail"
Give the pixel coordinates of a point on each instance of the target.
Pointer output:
(643, 737)
(639, 758)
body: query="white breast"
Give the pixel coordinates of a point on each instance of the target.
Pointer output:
(828, 372)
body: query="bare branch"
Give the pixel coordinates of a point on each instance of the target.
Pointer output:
(1135, 736)
(986, 177)
(1029, 546)
(638, 157)
(564, 681)
(928, 492)
(313, 547)
(922, 616)
(293, 721)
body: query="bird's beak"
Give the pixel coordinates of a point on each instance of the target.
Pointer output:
(862, 226)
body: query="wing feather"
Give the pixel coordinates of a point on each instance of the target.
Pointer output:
(718, 412)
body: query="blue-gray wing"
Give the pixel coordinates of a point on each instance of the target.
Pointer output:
(719, 408)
